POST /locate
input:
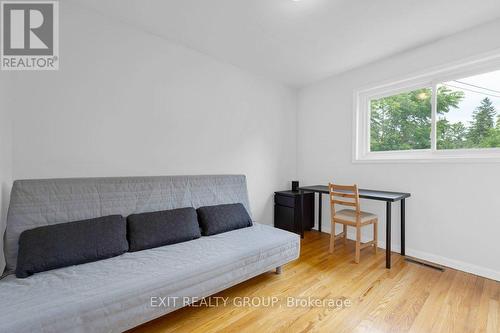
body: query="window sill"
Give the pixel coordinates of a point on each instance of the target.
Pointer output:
(480, 155)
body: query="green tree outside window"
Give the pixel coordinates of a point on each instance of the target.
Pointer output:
(403, 122)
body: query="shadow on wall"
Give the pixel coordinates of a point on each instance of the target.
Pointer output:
(4, 205)
(4, 202)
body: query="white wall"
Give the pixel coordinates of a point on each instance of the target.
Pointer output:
(453, 216)
(125, 103)
(5, 158)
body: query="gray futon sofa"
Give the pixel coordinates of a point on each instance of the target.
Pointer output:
(115, 294)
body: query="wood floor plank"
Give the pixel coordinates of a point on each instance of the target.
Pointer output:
(430, 312)
(406, 298)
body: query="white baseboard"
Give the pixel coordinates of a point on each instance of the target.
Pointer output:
(451, 263)
(456, 264)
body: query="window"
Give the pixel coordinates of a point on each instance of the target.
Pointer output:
(469, 112)
(445, 115)
(401, 121)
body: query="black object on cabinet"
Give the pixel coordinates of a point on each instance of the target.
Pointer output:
(287, 211)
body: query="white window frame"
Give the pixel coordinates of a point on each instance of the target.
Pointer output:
(361, 122)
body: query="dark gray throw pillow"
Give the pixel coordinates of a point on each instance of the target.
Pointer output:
(65, 244)
(221, 218)
(149, 230)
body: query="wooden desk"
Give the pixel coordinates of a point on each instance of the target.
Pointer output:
(388, 197)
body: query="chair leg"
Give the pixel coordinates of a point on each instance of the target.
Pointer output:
(345, 233)
(375, 236)
(358, 244)
(332, 237)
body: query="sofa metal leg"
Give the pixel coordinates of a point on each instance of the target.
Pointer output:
(279, 269)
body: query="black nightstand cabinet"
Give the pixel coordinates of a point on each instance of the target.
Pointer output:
(287, 210)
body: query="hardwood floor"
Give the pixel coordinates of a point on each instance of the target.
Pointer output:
(407, 298)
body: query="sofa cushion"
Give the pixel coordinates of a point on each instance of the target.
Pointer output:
(40, 202)
(65, 244)
(149, 230)
(221, 218)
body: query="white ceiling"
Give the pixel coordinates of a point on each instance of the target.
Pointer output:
(299, 42)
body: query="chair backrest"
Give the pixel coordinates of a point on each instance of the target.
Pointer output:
(344, 195)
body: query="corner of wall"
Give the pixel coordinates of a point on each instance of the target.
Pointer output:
(6, 156)
(296, 92)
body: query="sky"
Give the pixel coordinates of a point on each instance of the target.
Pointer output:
(475, 88)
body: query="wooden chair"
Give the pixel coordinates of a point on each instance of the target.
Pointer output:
(349, 196)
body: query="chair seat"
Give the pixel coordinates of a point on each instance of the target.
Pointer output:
(349, 215)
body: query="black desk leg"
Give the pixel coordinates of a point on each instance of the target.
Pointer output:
(388, 235)
(320, 206)
(403, 227)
